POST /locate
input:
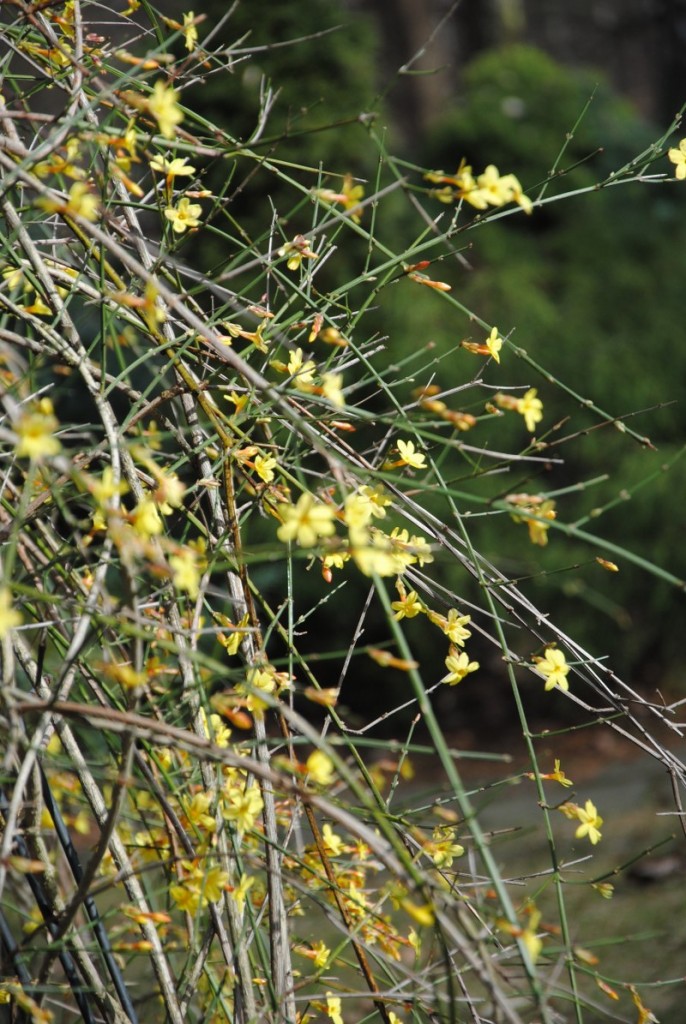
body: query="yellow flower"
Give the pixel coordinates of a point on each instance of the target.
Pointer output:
(185, 215)
(534, 505)
(332, 336)
(453, 626)
(297, 250)
(145, 519)
(538, 531)
(153, 314)
(35, 430)
(80, 203)
(176, 168)
(494, 343)
(332, 843)
(423, 913)
(214, 884)
(169, 492)
(235, 638)
(590, 822)
(240, 401)
(9, 617)
(239, 894)
(320, 768)
(408, 606)
(352, 195)
(517, 196)
(163, 105)
(373, 553)
(409, 455)
(243, 806)
(443, 849)
(332, 389)
(333, 1009)
(411, 550)
(125, 675)
(302, 371)
(186, 898)
(553, 665)
(321, 954)
(264, 467)
(377, 499)
(531, 940)
(185, 571)
(334, 560)
(531, 408)
(458, 666)
(215, 730)
(678, 157)
(305, 522)
(190, 32)
(644, 1014)
(489, 191)
(259, 681)
(196, 812)
(556, 775)
(357, 511)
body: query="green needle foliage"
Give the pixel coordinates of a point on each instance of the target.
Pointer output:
(230, 504)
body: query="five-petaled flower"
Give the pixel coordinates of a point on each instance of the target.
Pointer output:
(264, 467)
(458, 666)
(305, 522)
(164, 107)
(453, 626)
(531, 408)
(553, 665)
(408, 606)
(494, 343)
(409, 455)
(590, 820)
(36, 432)
(185, 215)
(178, 167)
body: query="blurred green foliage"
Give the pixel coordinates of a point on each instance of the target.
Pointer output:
(320, 77)
(589, 289)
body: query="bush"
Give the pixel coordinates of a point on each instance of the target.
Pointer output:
(199, 470)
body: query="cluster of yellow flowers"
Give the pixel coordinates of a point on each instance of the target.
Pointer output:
(374, 552)
(302, 373)
(487, 189)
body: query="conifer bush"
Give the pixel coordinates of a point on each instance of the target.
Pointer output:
(197, 466)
